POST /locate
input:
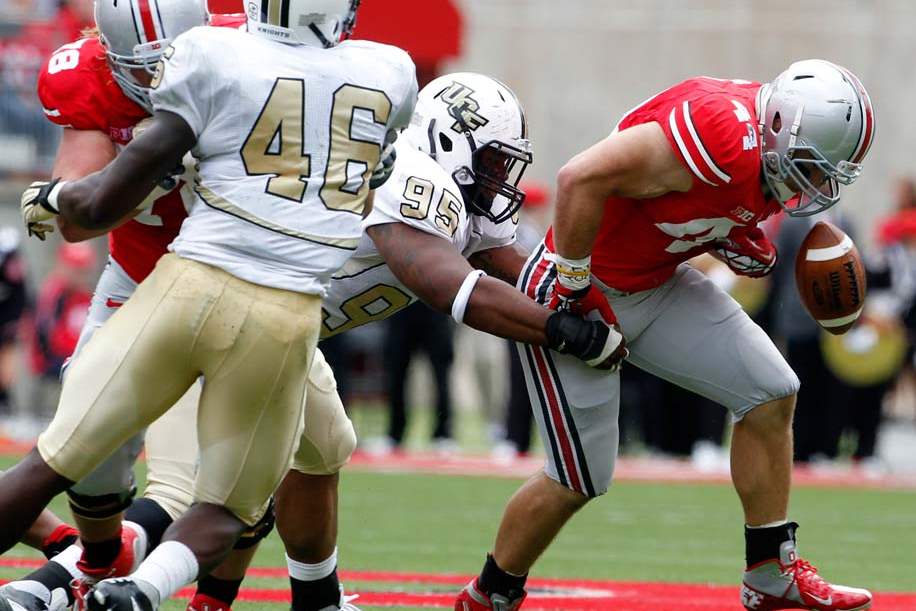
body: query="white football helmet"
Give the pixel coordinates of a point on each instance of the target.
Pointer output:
(135, 34)
(475, 128)
(321, 23)
(816, 125)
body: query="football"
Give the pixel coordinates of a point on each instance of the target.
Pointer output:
(830, 278)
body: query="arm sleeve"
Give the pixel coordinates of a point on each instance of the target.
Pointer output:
(716, 139)
(182, 84)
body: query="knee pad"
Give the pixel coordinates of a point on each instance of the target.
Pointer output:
(257, 533)
(102, 506)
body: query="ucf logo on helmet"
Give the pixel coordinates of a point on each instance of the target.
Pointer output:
(463, 107)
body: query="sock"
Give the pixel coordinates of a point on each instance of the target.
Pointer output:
(222, 590)
(170, 567)
(100, 554)
(495, 580)
(314, 586)
(762, 542)
(60, 539)
(152, 517)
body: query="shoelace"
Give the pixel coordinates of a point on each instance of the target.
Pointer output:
(806, 574)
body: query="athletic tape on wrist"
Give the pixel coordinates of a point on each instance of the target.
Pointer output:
(575, 274)
(463, 296)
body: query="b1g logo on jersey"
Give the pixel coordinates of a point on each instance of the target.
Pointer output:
(463, 107)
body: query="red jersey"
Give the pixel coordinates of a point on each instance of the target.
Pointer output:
(712, 126)
(77, 90)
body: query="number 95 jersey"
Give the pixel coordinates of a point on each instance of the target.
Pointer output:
(419, 193)
(287, 138)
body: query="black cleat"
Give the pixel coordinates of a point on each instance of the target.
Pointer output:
(119, 594)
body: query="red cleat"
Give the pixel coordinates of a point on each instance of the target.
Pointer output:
(202, 602)
(472, 598)
(788, 582)
(133, 551)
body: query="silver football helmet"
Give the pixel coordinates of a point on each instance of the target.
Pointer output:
(321, 23)
(136, 33)
(475, 128)
(816, 125)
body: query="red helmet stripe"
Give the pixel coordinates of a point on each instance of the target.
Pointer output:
(146, 19)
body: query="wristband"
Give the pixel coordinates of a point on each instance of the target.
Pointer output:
(463, 296)
(573, 274)
(52, 197)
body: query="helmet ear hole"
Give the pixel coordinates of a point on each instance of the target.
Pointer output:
(445, 142)
(777, 123)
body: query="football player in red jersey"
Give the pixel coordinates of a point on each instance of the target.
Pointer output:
(692, 170)
(96, 88)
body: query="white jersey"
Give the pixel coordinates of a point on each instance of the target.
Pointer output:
(287, 137)
(421, 194)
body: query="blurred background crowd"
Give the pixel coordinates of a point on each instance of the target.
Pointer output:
(419, 382)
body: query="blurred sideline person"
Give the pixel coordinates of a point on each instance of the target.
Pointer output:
(816, 411)
(534, 218)
(693, 169)
(276, 212)
(418, 329)
(13, 302)
(60, 313)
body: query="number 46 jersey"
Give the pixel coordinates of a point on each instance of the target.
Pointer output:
(419, 193)
(287, 138)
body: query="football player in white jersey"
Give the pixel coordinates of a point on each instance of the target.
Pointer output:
(287, 126)
(443, 218)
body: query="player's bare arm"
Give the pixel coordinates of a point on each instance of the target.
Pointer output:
(634, 163)
(81, 152)
(101, 200)
(504, 262)
(431, 268)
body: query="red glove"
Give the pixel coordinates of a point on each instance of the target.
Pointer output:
(582, 302)
(747, 251)
(573, 292)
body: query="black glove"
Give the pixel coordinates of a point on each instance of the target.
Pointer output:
(597, 343)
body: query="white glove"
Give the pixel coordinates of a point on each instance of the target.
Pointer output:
(39, 205)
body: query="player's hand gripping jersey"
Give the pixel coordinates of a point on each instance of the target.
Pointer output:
(711, 125)
(304, 125)
(420, 194)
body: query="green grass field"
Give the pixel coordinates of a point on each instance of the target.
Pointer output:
(677, 533)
